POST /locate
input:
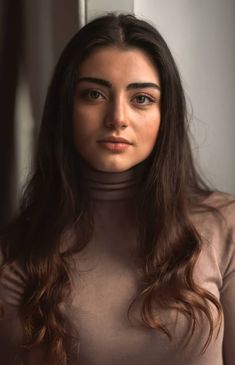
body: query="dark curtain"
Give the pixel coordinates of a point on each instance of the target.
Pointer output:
(32, 35)
(11, 29)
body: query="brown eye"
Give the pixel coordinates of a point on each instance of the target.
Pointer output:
(143, 99)
(94, 94)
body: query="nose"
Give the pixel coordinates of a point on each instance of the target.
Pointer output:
(116, 116)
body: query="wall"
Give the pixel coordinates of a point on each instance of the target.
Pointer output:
(201, 37)
(97, 7)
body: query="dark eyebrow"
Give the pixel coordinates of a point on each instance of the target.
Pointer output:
(141, 85)
(96, 81)
(135, 85)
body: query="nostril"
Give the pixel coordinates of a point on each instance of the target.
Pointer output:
(115, 125)
(116, 114)
(115, 122)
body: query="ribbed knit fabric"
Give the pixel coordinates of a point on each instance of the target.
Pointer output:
(113, 185)
(106, 280)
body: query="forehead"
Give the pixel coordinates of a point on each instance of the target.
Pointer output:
(119, 63)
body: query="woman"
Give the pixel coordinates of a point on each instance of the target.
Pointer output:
(120, 254)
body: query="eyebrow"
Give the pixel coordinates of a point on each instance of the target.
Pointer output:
(134, 85)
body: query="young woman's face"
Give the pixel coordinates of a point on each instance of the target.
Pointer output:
(116, 114)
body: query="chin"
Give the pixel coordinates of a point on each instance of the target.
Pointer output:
(113, 167)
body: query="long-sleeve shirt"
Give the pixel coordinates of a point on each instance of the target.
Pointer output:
(106, 279)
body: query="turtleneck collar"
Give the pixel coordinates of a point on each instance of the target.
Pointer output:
(112, 185)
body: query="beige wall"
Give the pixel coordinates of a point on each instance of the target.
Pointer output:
(97, 7)
(201, 36)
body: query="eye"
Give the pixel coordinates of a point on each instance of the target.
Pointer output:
(144, 99)
(92, 95)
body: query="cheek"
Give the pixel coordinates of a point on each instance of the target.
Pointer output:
(82, 126)
(149, 133)
(87, 120)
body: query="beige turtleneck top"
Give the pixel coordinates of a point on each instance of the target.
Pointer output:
(106, 279)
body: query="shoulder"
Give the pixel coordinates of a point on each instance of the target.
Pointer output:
(216, 226)
(221, 217)
(217, 211)
(225, 203)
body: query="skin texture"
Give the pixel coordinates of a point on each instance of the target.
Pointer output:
(118, 110)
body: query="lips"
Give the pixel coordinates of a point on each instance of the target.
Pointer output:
(114, 144)
(113, 139)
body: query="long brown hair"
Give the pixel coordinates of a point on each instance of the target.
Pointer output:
(53, 206)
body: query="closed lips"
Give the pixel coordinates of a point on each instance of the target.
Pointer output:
(114, 140)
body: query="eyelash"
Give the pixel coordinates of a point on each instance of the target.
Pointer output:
(151, 100)
(86, 94)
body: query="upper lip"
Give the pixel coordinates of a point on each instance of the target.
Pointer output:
(114, 140)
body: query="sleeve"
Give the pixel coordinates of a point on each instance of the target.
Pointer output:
(228, 300)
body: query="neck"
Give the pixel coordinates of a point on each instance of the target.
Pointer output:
(112, 186)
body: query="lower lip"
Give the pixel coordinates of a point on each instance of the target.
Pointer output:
(115, 147)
